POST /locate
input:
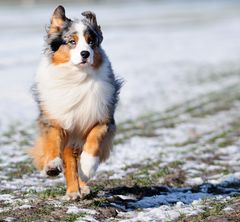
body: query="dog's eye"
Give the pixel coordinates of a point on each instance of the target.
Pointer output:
(91, 42)
(72, 42)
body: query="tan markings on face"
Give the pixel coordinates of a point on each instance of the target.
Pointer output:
(62, 55)
(97, 58)
(87, 36)
(75, 38)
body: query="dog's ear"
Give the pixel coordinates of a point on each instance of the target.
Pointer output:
(91, 18)
(58, 19)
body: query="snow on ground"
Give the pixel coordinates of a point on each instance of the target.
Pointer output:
(179, 109)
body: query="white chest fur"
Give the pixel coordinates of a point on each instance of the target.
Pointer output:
(77, 99)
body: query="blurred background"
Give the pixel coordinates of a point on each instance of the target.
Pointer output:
(164, 50)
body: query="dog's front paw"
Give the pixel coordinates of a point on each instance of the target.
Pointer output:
(72, 196)
(53, 167)
(85, 191)
(87, 166)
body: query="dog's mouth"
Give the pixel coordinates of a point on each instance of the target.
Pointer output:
(83, 62)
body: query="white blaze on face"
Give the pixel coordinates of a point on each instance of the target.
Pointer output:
(82, 45)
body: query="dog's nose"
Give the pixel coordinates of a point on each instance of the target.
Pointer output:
(85, 54)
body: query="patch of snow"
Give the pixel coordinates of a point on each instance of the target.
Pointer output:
(124, 197)
(25, 206)
(228, 209)
(6, 198)
(87, 218)
(194, 181)
(162, 213)
(9, 219)
(165, 213)
(132, 151)
(226, 179)
(73, 210)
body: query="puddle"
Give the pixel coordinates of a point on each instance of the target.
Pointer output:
(130, 198)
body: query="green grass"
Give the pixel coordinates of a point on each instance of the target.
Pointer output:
(73, 217)
(52, 192)
(214, 210)
(206, 105)
(18, 169)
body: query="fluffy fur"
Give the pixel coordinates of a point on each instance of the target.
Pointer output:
(76, 98)
(77, 93)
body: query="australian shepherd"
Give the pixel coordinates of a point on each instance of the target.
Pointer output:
(77, 94)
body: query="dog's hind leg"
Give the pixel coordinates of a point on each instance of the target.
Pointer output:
(96, 149)
(46, 153)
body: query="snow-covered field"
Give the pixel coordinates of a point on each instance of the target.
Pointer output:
(177, 149)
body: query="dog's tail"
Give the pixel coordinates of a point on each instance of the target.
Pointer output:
(37, 155)
(107, 143)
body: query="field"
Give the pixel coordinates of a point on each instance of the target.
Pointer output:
(176, 155)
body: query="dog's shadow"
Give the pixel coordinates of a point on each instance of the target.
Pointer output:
(130, 198)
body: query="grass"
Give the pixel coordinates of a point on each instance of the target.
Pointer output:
(210, 104)
(16, 133)
(32, 214)
(214, 209)
(6, 191)
(49, 193)
(43, 211)
(19, 169)
(148, 174)
(73, 217)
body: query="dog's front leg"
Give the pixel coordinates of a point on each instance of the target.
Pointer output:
(95, 150)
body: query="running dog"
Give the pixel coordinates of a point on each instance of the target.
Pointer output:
(77, 93)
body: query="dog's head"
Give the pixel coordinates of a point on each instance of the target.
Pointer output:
(75, 41)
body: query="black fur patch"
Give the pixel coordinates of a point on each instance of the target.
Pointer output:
(93, 37)
(56, 43)
(93, 31)
(55, 40)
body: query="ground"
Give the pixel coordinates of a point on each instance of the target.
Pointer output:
(176, 155)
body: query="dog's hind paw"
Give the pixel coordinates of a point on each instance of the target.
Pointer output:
(71, 196)
(85, 191)
(53, 168)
